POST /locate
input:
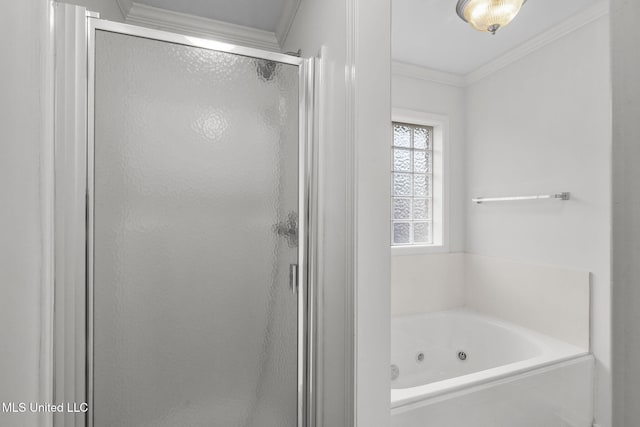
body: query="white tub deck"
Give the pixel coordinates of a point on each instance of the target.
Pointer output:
(505, 363)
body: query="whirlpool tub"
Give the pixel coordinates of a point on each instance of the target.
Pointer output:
(461, 368)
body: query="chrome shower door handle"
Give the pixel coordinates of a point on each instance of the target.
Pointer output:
(293, 277)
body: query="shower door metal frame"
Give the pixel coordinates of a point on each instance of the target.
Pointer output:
(306, 188)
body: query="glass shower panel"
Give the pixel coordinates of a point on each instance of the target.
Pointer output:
(196, 164)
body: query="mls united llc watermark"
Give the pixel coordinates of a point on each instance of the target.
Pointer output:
(34, 407)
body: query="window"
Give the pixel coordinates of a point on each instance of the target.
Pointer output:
(412, 201)
(420, 184)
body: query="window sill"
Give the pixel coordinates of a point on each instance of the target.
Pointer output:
(418, 250)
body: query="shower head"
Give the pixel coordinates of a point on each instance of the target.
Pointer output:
(266, 69)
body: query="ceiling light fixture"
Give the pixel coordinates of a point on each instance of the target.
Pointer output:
(488, 15)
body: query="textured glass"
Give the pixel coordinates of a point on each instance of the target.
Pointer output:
(412, 179)
(401, 160)
(402, 184)
(401, 208)
(422, 161)
(422, 232)
(196, 161)
(421, 209)
(401, 232)
(401, 136)
(421, 185)
(423, 138)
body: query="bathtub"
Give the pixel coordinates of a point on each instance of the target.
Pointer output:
(460, 367)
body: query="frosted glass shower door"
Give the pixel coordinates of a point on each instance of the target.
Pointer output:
(195, 205)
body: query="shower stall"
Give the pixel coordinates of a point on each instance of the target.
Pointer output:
(183, 179)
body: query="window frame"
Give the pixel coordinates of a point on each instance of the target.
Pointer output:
(440, 190)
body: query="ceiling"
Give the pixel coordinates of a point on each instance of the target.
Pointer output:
(430, 34)
(261, 14)
(427, 33)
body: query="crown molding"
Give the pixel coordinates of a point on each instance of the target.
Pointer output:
(590, 14)
(570, 25)
(402, 69)
(286, 20)
(125, 6)
(162, 19)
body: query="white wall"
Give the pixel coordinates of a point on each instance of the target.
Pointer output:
(427, 283)
(348, 110)
(372, 132)
(447, 100)
(543, 125)
(551, 300)
(23, 254)
(626, 212)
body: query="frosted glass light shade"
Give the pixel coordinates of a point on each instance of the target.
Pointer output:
(488, 15)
